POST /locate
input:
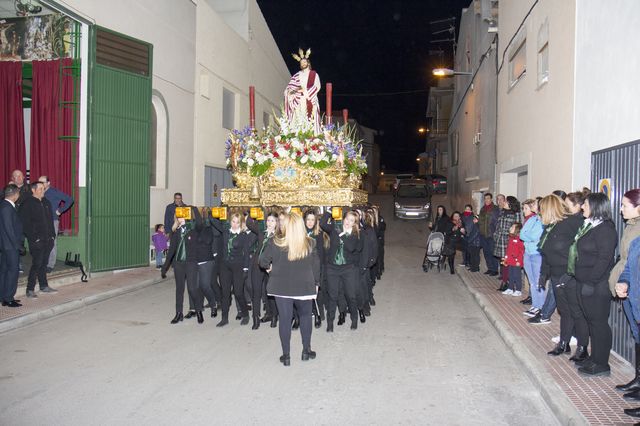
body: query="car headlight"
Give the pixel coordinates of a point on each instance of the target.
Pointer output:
(397, 205)
(426, 206)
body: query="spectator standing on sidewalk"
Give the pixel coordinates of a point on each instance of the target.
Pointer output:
(622, 282)
(513, 260)
(472, 240)
(35, 214)
(10, 246)
(487, 221)
(159, 243)
(591, 262)
(530, 236)
(170, 212)
(60, 203)
(17, 178)
(509, 212)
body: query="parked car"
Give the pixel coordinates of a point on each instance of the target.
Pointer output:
(400, 177)
(437, 183)
(412, 200)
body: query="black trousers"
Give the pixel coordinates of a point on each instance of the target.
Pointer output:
(321, 300)
(9, 261)
(205, 281)
(40, 257)
(232, 280)
(572, 320)
(259, 279)
(364, 290)
(187, 272)
(596, 301)
(343, 278)
(473, 254)
(380, 262)
(285, 311)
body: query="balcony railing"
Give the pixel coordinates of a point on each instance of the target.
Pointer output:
(439, 128)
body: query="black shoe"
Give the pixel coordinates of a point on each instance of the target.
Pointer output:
(580, 355)
(633, 412)
(503, 287)
(256, 323)
(50, 270)
(494, 274)
(245, 320)
(190, 315)
(12, 304)
(329, 326)
(487, 272)
(177, 318)
(372, 301)
(266, 318)
(594, 370)
(341, 318)
(239, 316)
(354, 325)
(214, 312)
(274, 322)
(285, 360)
(200, 317)
(295, 324)
(526, 301)
(633, 385)
(318, 322)
(367, 313)
(363, 319)
(560, 348)
(584, 363)
(633, 395)
(224, 321)
(308, 354)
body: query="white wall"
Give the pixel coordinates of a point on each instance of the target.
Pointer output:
(224, 59)
(169, 26)
(535, 124)
(607, 81)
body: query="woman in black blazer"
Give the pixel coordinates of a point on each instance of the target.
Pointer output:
(595, 247)
(312, 226)
(342, 271)
(294, 274)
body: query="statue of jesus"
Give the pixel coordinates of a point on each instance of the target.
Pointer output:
(302, 91)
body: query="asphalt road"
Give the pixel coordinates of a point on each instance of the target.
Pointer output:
(426, 356)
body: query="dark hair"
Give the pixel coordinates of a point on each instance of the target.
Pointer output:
(10, 190)
(34, 185)
(560, 193)
(456, 212)
(309, 212)
(468, 205)
(633, 195)
(488, 194)
(177, 194)
(577, 197)
(514, 204)
(444, 210)
(600, 206)
(158, 226)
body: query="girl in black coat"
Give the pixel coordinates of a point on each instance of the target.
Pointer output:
(259, 276)
(342, 272)
(312, 226)
(368, 257)
(591, 263)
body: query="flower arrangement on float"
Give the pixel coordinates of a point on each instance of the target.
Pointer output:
(254, 152)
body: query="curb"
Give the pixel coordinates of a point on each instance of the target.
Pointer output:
(555, 398)
(53, 311)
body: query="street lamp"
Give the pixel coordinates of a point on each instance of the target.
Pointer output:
(446, 72)
(422, 130)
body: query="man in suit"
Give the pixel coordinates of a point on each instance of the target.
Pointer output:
(10, 246)
(60, 203)
(170, 212)
(35, 214)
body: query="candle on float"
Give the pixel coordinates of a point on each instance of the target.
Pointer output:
(329, 100)
(252, 107)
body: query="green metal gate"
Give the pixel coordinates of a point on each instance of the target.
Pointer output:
(119, 129)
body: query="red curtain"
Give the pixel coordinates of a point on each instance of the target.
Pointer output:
(12, 148)
(50, 120)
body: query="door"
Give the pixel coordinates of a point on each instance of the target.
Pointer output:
(119, 120)
(215, 179)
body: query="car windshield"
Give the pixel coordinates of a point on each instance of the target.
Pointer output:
(412, 191)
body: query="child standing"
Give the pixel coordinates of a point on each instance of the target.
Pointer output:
(513, 260)
(159, 243)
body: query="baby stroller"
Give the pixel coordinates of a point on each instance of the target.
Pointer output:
(434, 256)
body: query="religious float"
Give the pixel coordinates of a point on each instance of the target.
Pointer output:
(300, 161)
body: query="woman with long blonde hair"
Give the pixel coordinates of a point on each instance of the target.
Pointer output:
(294, 274)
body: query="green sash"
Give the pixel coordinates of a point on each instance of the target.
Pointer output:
(339, 258)
(573, 250)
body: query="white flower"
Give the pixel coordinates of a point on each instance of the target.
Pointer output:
(250, 162)
(304, 159)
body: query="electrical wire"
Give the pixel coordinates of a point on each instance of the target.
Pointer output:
(504, 52)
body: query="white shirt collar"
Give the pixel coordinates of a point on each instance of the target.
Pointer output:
(11, 202)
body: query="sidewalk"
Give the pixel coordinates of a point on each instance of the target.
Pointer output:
(573, 398)
(75, 295)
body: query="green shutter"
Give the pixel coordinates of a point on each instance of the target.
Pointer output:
(120, 88)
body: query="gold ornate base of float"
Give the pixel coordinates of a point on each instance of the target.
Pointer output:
(287, 183)
(301, 197)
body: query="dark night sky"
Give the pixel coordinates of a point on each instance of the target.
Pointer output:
(370, 46)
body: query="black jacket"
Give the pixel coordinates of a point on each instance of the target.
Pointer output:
(352, 243)
(204, 250)
(238, 251)
(10, 228)
(369, 253)
(290, 278)
(442, 224)
(596, 251)
(555, 251)
(36, 219)
(260, 239)
(191, 245)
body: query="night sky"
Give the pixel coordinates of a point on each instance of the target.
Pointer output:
(371, 47)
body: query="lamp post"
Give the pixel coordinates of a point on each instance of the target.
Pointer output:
(446, 72)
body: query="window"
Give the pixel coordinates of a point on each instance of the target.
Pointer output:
(543, 53)
(158, 142)
(228, 109)
(518, 58)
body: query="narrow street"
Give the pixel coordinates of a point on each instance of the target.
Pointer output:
(427, 355)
